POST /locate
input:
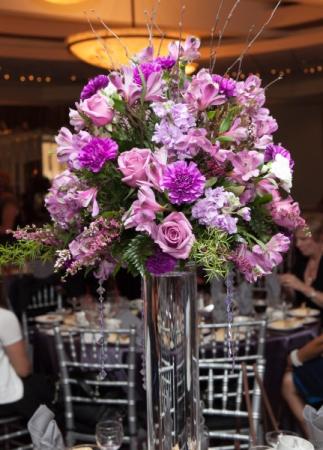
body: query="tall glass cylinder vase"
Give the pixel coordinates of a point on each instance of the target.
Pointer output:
(171, 346)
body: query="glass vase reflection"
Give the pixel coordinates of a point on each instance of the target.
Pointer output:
(171, 349)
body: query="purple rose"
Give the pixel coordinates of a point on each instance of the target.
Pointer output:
(174, 236)
(97, 109)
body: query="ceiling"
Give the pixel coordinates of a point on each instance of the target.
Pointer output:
(33, 33)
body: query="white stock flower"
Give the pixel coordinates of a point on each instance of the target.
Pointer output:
(280, 168)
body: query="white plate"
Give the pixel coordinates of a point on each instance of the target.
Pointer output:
(310, 320)
(285, 325)
(303, 312)
(49, 318)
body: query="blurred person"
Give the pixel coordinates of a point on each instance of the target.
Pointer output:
(306, 281)
(9, 212)
(21, 391)
(303, 379)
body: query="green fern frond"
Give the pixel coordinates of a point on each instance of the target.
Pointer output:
(136, 253)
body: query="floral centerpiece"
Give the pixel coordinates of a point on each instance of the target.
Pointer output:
(163, 168)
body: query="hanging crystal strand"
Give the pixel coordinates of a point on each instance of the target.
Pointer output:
(229, 310)
(101, 341)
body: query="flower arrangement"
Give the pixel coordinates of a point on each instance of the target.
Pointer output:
(163, 168)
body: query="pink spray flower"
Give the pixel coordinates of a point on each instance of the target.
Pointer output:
(142, 211)
(87, 197)
(246, 165)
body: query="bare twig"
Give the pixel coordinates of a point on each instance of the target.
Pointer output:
(274, 81)
(253, 40)
(221, 34)
(101, 40)
(247, 41)
(213, 30)
(115, 36)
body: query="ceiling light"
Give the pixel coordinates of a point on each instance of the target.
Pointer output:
(64, 2)
(109, 52)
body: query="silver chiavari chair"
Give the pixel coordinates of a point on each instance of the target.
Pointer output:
(12, 433)
(79, 354)
(223, 350)
(45, 298)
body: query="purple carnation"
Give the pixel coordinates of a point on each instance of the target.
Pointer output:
(273, 150)
(94, 155)
(184, 182)
(146, 69)
(227, 85)
(165, 62)
(160, 262)
(92, 87)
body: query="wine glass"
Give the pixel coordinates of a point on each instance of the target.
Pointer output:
(109, 434)
(272, 437)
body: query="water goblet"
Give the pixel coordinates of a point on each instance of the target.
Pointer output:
(109, 434)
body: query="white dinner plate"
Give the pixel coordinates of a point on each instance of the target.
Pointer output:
(49, 318)
(285, 324)
(303, 312)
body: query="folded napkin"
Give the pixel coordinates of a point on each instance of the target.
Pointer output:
(314, 423)
(293, 443)
(44, 431)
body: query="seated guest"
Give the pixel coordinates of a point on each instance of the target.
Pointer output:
(21, 392)
(303, 380)
(307, 278)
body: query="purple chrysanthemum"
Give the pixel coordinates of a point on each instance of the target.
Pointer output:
(273, 150)
(96, 83)
(227, 85)
(160, 262)
(184, 182)
(165, 62)
(94, 155)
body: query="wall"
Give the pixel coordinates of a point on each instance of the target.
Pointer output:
(301, 131)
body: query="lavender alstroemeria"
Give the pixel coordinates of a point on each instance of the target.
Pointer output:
(203, 92)
(187, 51)
(76, 120)
(250, 94)
(246, 165)
(69, 145)
(87, 197)
(126, 85)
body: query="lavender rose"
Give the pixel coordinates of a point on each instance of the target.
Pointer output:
(174, 236)
(97, 109)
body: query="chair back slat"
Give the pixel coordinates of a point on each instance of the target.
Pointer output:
(221, 376)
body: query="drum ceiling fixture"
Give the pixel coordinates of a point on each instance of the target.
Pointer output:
(103, 49)
(64, 2)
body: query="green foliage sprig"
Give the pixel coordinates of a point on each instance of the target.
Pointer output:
(23, 251)
(210, 251)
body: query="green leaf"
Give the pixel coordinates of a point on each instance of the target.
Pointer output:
(119, 104)
(262, 200)
(211, 182)
(225, 138)
(211, 115)
(136, 252)
(225, 124)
